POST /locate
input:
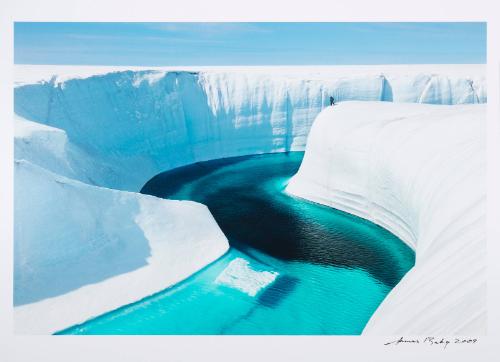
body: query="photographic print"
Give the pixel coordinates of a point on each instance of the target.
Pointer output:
(250, 178)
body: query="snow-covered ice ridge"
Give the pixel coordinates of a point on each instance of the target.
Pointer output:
(82, 250)
(418, 171)
(137, 123)
(83, 133)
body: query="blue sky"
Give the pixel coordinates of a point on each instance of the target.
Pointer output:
(152, 44)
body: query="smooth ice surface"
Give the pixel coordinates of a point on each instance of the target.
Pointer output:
(82, 250)
(418, 171)
(238, 274)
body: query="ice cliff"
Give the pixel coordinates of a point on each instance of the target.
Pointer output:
(82, 247)
(139, 123)
(418, 171)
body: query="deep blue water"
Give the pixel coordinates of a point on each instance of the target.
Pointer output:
(334, 268)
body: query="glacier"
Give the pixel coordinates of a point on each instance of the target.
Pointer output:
(88, 138)
(419, 172)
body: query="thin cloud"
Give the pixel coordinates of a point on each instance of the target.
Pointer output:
(142, 38)
(211, 29)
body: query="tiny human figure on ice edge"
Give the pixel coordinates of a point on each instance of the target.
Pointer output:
(332, 101)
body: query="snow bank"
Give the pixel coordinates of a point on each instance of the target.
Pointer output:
(82, 250)
(418, 171)
(137, 123)
(239, 275)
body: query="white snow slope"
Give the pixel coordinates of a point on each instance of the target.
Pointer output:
(83, 133)
(418, 171)
(82, 250)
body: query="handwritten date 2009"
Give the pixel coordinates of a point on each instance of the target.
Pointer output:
(432, 341)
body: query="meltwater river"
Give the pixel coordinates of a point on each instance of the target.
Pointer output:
(333, 269)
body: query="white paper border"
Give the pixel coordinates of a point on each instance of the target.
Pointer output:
(232, 348)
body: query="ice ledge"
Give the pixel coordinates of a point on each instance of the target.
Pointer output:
(419, 171)
(83, 250)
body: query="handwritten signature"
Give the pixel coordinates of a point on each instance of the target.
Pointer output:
(432, 341)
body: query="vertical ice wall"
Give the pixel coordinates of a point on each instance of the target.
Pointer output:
(139, 123)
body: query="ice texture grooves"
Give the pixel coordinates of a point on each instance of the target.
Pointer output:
(138, 123)
(418, 171)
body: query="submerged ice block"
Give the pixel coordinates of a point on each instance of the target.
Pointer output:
(240, 275)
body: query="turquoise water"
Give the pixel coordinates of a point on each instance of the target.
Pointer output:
(334, 268)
